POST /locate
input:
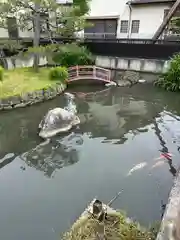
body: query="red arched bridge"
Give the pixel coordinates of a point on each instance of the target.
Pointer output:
(90, 73)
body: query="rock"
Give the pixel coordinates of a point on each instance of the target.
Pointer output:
(141, 80)
(14, 100)
(46, 94)
(32, 96)
(123, 83)
(20, 105)
(131, 76)
(7, 107)
(39, 95)
(112, 83)
(5, 102)
(128, 78)
(53, 92)
(25, 97)
(59, 89)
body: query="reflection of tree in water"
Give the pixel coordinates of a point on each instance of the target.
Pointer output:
(117, 118)
(131, 109)
(54, 154)
(164, 148)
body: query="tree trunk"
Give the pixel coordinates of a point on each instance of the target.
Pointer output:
(36, 39)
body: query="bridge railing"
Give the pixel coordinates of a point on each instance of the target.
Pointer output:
(89, 72)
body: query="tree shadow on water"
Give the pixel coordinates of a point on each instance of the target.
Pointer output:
(54, 154)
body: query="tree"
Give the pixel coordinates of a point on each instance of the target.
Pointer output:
(44, 16)
(174, 26)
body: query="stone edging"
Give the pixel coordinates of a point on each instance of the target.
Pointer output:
(31, 98)
(171, 220)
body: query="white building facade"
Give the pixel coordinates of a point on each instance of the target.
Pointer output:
(116, 18)
(133, 19)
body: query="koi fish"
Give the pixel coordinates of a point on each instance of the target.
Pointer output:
(157, 164)
(168, 156)
(137, 167)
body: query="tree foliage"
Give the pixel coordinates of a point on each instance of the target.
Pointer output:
(46, 18)
(171, 80)
(49, 11)
(71, 54)
(174, 25)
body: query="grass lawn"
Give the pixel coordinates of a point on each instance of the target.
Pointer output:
(115, 227)
(22, 80)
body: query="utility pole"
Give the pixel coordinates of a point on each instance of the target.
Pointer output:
(166, 21)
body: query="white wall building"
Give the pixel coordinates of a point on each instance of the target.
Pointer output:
(115, 18)
(133, 19)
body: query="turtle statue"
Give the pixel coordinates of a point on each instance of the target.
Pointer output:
(59, 120)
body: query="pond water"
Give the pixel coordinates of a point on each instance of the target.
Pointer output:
(45, 187)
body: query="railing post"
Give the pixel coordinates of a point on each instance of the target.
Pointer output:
(94, 71)
(109, 75)
(77, 71)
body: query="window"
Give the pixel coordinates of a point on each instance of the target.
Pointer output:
(135, 26)
(124, 26)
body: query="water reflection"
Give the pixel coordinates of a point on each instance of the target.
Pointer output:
(107, 113)
(119, 129)
(54, 154)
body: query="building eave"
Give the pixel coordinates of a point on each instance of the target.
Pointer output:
(142, 2)
(102, 17)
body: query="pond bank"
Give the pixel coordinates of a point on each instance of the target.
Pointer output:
(171, 219)
(114, 226)
(22, 87)
(31, 98)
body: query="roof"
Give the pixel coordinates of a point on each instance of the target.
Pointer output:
(102, 17)
(138, 2)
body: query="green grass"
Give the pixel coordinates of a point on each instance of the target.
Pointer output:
(23, 80)
(115, 227)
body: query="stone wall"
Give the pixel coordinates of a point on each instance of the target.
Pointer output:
(23, 61)
(170, 226)
(31, 98)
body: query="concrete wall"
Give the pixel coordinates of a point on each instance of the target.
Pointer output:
(141, 65)
(24, 62)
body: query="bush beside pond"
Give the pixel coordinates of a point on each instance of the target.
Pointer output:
(72, 54)
(58, 73)
(171, 80)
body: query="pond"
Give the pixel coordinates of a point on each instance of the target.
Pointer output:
(45, 187)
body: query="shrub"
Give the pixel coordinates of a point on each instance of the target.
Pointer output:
(73, 54)
(171, 80)
(1, 73)
(58, 73)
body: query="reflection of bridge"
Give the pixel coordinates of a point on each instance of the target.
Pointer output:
(93, 96)
(89, 73)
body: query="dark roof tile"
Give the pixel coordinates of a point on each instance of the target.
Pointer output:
(138, 2)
